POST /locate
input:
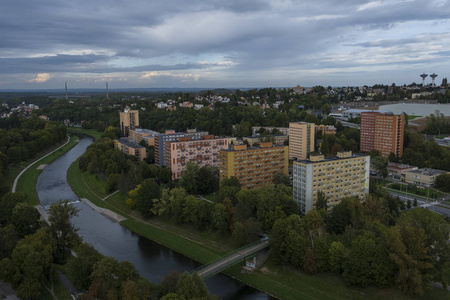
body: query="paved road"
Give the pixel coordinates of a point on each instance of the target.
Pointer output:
(423, 203)
(6, 292)
(230, 260)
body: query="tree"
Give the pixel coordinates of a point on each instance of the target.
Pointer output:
(112, 274)
(281, 178)
(415, 202)
(8, 241)
(112, 181)
(25, 219)
(380, 163)
(336, 256)
(148, 191)
(322, 201)
(309, 264)
(189, 179)
(191, 286)
(82, 265)
(64, 233)
(208, 180)
(220, 218)
(443, 182)
(30, 264)
(7, 204)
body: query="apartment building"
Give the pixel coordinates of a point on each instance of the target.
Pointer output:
(129, 120)
(204, 152)
(282, 130)
(301, 140)
(172, 136)
(147, 135)
(382, 131)
(326, 129)
(254, 166)
(257, 140)
(130, 148)
(340, 176)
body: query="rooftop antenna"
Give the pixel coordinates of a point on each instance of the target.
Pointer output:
(107, 95)
(433, 76)
(423, 78)
(67, 97)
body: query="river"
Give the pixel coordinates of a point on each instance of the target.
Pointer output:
(152, 260)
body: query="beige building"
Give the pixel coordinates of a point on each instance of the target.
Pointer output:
(396, 170)
(129, 120)
(326, 129)
(340, 176)
(130, 148)
(424, 177)
(254, 166)
(301, 140)
(143, 134)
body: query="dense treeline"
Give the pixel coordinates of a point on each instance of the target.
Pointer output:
(367, 244)
(21, 138)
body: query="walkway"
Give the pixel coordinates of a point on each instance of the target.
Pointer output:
(23, 171)
(241, 254)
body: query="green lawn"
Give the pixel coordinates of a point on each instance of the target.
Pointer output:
(418, 192)
(413, 117)
(286, 282)
(27, 181)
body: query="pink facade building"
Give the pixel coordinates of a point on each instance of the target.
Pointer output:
(204, 152)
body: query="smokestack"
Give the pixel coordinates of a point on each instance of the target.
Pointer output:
(107, 96)
(67, 97)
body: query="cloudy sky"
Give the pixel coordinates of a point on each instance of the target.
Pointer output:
(221, 43)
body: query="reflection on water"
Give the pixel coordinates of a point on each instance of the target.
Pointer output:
(152, 260)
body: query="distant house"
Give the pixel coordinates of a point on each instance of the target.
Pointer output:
(423, 177)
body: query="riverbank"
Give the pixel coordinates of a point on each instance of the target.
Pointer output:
(283, 282)
(25, 181)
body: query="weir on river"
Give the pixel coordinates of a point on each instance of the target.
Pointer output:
(152, 260)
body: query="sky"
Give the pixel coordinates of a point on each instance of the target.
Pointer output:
(221, 43)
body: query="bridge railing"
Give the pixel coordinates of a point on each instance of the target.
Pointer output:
(229, 254)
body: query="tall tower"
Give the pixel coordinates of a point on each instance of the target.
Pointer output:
(107, 95)
(301, 140)
(129, 120)
(67, 97)
(433, 76)
(423, 78)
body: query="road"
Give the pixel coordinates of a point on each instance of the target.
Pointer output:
(348, 124)
(423, 203)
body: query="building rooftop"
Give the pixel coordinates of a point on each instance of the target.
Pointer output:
(128, 143)
(427, 171)
(317, 158)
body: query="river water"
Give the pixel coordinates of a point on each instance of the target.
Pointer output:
(152, 260)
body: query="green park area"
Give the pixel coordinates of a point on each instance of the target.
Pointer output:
(281, 281)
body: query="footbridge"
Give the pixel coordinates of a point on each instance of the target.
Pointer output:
(234, 258)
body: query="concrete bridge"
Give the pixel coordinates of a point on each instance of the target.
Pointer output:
(235, 257)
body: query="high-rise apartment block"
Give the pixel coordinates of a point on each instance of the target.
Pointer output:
(254, 167)
(382, 131)
(172, 136)
(340, 176)
(301, 140)
(129, 120)
(204, 152)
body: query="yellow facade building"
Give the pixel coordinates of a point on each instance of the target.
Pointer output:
(129, 120)
(337, 177)
(256, 166)
(130, 148)
(301, 140)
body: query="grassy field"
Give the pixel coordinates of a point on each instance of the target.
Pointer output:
(288, 283)
(284, 282)
(413, 117)
(27, 181)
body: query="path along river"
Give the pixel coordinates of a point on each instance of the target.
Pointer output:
(152, 260)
